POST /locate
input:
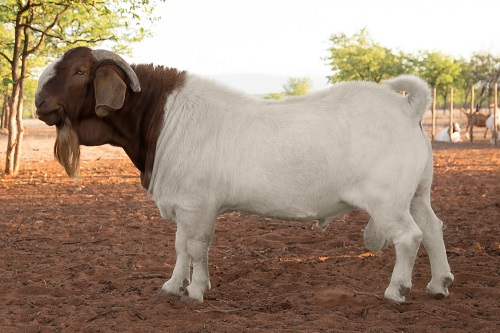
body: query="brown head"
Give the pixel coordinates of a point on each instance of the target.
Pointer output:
(94, 97)
(75, 92)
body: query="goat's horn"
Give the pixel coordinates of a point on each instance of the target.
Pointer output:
(108, 55)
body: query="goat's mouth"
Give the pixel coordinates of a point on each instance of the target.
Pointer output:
(51, 118)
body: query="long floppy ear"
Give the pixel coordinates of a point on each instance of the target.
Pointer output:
(110, 91)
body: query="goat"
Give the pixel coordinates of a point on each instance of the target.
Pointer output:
(204, 149)
(444, 135)
(490, 125)
(477, 119)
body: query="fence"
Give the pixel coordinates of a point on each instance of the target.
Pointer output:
(451, 120)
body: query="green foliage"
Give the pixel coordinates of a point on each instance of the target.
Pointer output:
(274, 96)
(439, 69)
(297, 86)
(6, 81)
(485, 69)
(358, 57)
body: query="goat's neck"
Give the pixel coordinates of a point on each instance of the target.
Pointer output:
(144, 115)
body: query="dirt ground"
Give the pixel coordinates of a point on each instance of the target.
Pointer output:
(90, 255)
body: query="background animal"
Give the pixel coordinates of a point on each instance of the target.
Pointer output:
(490, 125)
(477, 119)
(444, 135)
(204, 149)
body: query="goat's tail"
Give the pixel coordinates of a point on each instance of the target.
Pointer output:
(418, 96)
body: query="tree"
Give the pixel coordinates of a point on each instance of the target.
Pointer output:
(297, 86)
(33, 31)
(359, 58)
(486, 71)
(466, 80)
(274, 96)
(5, 104)
(441, 71)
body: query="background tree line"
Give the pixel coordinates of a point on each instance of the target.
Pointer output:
(359, 57)
(33, 32)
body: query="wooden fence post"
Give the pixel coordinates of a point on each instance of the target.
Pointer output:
(495, 114)
(433, 131)
(451, 114)
(471, 110)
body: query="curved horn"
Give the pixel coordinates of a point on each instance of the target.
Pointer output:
(108, 55)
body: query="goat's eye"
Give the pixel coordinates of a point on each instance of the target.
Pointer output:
(79, 72)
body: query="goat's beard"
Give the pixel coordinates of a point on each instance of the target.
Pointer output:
(67, 148)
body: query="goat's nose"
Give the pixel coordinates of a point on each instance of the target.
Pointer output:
(39, 101)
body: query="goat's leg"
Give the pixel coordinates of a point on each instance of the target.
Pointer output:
(180, 276)
(432, 229)
(199, 227)
(467, 132)
(398, 229)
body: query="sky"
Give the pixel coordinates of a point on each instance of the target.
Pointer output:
(291, 37)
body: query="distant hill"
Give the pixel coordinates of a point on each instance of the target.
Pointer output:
(261, 84)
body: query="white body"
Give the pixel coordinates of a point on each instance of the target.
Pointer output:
(444, 135)
(356, 145)
(490, 125)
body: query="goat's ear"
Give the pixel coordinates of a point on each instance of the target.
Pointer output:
(110, 91)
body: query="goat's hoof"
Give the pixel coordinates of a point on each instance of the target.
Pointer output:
(397, 294)
(162, 294)
(172, 288)
(440, 290)
(187, 298)
(323, 223)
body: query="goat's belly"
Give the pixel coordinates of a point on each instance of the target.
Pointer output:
(291, 208)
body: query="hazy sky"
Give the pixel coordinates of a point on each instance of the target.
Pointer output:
(290, 37)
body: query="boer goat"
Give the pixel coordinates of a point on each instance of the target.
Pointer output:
(490, 125)
(477, 119)
(203, 149)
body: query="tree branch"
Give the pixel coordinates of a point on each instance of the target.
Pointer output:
(48, 28)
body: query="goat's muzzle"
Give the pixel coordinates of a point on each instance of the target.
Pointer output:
(50, 117)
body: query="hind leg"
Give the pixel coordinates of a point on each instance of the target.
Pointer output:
(432, 229)
(387, 227)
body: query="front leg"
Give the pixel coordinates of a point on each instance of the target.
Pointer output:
(194, 236)
(180, 277)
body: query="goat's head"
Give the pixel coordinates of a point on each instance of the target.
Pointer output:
(75, 92)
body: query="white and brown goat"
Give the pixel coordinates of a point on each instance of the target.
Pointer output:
(204, 149)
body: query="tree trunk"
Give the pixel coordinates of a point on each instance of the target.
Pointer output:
(20, 103)
(5, 110)
(19, 133)
(13, 136)
(16, 129)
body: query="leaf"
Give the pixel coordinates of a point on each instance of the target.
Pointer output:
(7, 81)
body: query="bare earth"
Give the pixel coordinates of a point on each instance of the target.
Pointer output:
(90, 255)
